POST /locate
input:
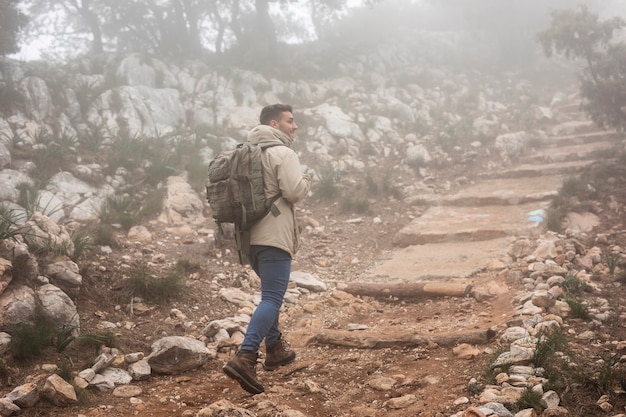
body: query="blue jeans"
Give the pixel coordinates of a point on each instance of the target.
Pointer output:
(273, 266)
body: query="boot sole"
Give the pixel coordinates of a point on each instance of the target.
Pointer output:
(235, 373)
(273, 366)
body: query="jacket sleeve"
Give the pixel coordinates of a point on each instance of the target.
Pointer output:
(293, 184)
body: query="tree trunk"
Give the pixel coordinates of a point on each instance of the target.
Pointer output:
(409, 290)
(380, 340)
(94, 26)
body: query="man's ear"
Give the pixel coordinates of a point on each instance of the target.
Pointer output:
(274, 124)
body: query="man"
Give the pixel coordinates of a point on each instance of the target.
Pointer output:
(274, 240)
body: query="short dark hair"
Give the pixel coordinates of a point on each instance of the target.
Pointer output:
(273, 112)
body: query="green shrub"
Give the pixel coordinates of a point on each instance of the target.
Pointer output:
(128, 151)
(65, 370)
(158, 170)
(29, 339)
(529, 399)
(611, 260)
(554, 219)
(350, 204)
(142, 283)
(548, 343)
(89, 340)
(383, 187)
(577, 309)
(327, 187)
(9, 219)
(197, 172)
(103, 235)
(119, 210)
(12, 139)
(151, 205)
(82, 239)
(186, 266)
(573, 285)
(610, 375)
(93, 138)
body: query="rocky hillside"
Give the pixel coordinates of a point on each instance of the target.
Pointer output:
(102, 166)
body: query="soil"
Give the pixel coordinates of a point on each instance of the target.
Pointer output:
(325, 380)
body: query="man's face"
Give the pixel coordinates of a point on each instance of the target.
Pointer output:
(285, 124)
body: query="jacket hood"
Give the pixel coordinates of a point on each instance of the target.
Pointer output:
(267, 134)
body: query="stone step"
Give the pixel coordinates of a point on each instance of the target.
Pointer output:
(504, 191)
(437, 261)
(441, 224)
(580, 138)
(556, 153)
(535, 170)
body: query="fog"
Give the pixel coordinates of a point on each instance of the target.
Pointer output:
(503, 30)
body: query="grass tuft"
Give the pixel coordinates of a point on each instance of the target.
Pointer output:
(577, 309)
(327, 187)
(529, 399)
(142, 283)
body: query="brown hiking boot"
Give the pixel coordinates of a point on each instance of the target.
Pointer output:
(279, 354)
(242, 368)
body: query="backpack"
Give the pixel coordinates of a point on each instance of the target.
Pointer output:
(235, 191)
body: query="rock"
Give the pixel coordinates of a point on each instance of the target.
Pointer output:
(336, 121)
(381, 383)
(65, 274)
(176, 354)
(503, 395)
(10, 179)
(87, 374)
(511, 334)
(5, 342)
(181, 203)
(556, 412)
(103, 361)
(5, 156)
(543, 299)
(235, 295)
(139, 234)
(401, 402)
(133, 357)
(17, 306)
(116, 376)
(466, 351)
(6, 276)
(24, 396)
(7, 408)
(58, 307)
(473, 412)
(58, 391)
(511, 145)
(42, 233)
(576, 223)
(497, 409)
(100, 383)
(126, 391)
(140, 370)
(550, 399)
(224, 408)
(307, 280)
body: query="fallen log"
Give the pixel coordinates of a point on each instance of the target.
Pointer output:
(378, 340)
(409, 289)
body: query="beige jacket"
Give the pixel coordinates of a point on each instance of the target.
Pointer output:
(282, 175)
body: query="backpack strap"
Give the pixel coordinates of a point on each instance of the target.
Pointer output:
(271, 206)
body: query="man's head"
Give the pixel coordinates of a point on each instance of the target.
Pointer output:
(279, 116)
